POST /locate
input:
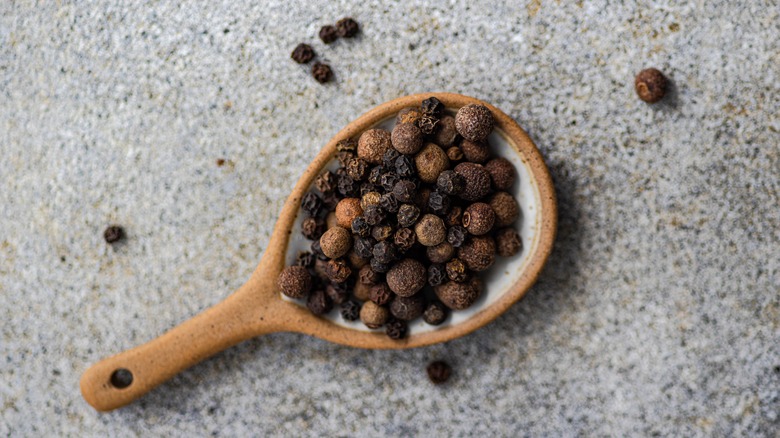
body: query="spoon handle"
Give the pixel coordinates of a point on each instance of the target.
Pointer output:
(122, 378)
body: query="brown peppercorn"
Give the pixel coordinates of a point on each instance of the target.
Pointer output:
(474, 122)
(475, 151)
(479, 218)
(438, 372)
(319, 303)
(294, 281)
(455, 216)
(368, 276)
(347, 210)
(404, 239)
(435, 313)
(337, 292)
(457, 270)
(370, 198)
(344, 157)
(361, 291)
(380, 294)
(113, 234)
(396, 329)
(430, 230)
(430, 162)
(408, 115)
(321, 72)
(454, 154)
(338, 270)
(445, 135)
(347, 27)
(441, 253)
(312, 228)
(407, 138)
(459, 296)
(428, 123)
(506, 208)
(479, 253)
(350, 310)
(502, 173)
(302, 53)
(336, 242)
(508, 242)
(408, 308)
(373, 144)
(404, 191)
(328, 34)
(326, 182)
(650, 85)
(382, 232)
(406, 277)
(477, 181)
(373, 315)
(357, 169)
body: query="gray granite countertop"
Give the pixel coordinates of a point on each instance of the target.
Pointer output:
(657, 314)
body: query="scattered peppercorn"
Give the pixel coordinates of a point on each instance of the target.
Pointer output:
(396, 329)
(454, 154)
(294, 281)
(477, 181)
(445, 134)
(502, 173)
(381, 294)
(430, 162)
(347, 27)
(385, 252)
(439, 203)
(302, 54)
(440, 253)
(456, 270)
(479, 218)
(360, 227)
(389, 203)
(457, 235)
(404, 191)
(312, 228)
(337, 292)
(651, 85)
(348, 187)
(404, 239)
(113, 234)
(373, 144)
(478, 253)
(430, 230)
(344, 157)
(407, 215)
(435, 313)
(382, 232)
(305, 259)
(336, 242)
(347, 210)
(337, 270)
(427, 123)
(404, 167)
(328, 34)
(506, 208)
(347, 144)
(406, 277)
(450, 182)
(455, 217)
(380, 267)
(370, 198)
(350, 310)
(367, 276)
(407, 138)
(364, 245)
(408, 308)
(388, 180)
(375, 175)
(474, 122)
(438, 372)
(432, 106)
(357, 169)
(374, 214)
(321, 72)
(326, 183)
(459, 296)
(437, 274)
(319, 303)
(476, 152)
(388, 159)
(373, 315)
(312, 204)
(508, 242)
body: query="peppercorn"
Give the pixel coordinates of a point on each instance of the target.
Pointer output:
(427, 123)
(347, 186)
(404, 239)
(445, 134)
(435, 313)
(357, 169)
(337, 292)
(389, 203)
(406, 277)
(408, 308)
(311, 204)
(430, 162)
(305, 259)
(479, 218)
(439, 203)
(294, 281)
(380, 294)
(404, 191)
(343, 157)
(113, 234)
(457, 235)
(404, 166)
(337, 270)
(450, 182)
(355, 261)
(407, 138)
(312, 228)
(459, 296)
(438, 372)
(388, 180)
(456, 270)
(367, 276)
(370, 198)
(373, 144)
(302, 53)
(430, 230)
(336, 242)
(319, 303)
(508, 242)
(407, 215)
(437, 274)
(474, 122)
(326, 183)
(347, 144)
(316, 249)
(440, 253)
(374, 214)
(396, 329)
(380, 267)
(506, 208)
(388, 159)
(363, 246)
(321, 72)
(382, 232)
(502, 173)
(454, 217)
(328, 34)
(432, 106)
(361, 291)
(329, 202)
(347, 210)
(350, 310)
(475, 151)
(373, 315)
(360, 227)
(347, 27)
(477, 181)
(650, 85)
(375, 175)
(408, 115)
(367, 187)
(479, 253)
(454, 154)
(385, 252)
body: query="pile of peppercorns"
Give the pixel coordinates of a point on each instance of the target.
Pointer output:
(304, 53)
(405, 225)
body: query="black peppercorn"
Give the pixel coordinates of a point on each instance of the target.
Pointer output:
(319, 303)
(388, 159)
(388, 180)
(350, 310)
(407, 215)
(343, 157)
(382, 232)
(312, 228)
(650, 85)
(360, 227)
(380, 294)
(435, 313)
(408, 308)
(348, 187)
(439, 203)
(338, 270)
(404, 166)
(374, 214)
(380, 267)
(404, 239)
(385, 252)
(347, 27)
(437, 274)
(305, 259)
(438, 372)
(326, 183)
(450, 182)
(396, 328)
(337, 292)
(113, 233)
(457, 271)
(302, 53)
(363, 247)
(389, 203)
(312, 204)
(457, 235)
(432, 106)
(347, 144)
(404, 190)
(321, 72)
(375, 175)
(357, 169)
(368, 276)
(328, 34)
(428, 123)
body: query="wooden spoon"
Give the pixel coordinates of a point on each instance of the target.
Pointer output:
(257, 307)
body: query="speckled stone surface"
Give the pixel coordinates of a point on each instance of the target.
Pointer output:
(659, 311)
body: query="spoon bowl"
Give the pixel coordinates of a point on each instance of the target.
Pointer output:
(258, 307)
